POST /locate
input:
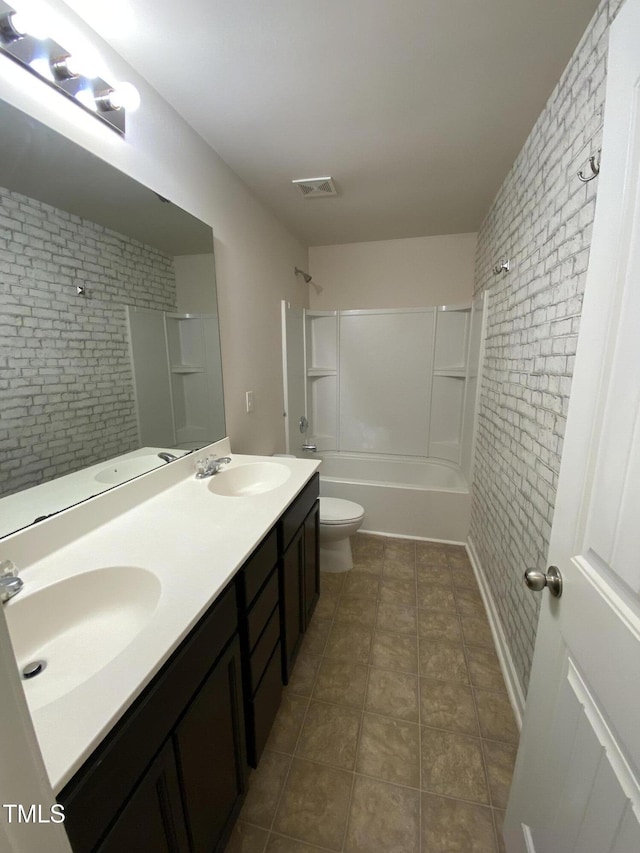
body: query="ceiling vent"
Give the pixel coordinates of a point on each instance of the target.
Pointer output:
(316, 187)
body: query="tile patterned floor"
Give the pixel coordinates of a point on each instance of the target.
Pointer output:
(396, 734)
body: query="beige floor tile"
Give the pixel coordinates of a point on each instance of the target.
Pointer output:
(393, 651)
(383, 817)
(288, 723)
(265, 786)
(326, 606)
(431, 554)
(451, 826)
(394, 694)
(496, 716)
(390, 750)
(452, 765)
(367, 563)
(330, 735)
(399, 549)
(397, 618)
(445, 705)
(458, 559)
(341, 683)
(332, 582)
(439, 625)
(280, 844)
(464, 578)
(433, 597)
(399, 569)
(316, 636)
(364, 543)
(438, 575)
(395, 591)
(349, 643)
(314, 804)
(442, 660)
(498, 819)
(469, 602)
(356, 610)
(362, 584)
(484, 669)
(246, 839)
(499, 760)
(476, 631)
(304, 674)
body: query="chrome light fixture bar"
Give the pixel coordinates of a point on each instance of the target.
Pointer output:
(22, 40)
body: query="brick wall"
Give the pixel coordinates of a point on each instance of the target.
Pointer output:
(66, 386)
(541, 220)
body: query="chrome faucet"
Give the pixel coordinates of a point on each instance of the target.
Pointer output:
(210, 465)
(10, 583)
(167, 457)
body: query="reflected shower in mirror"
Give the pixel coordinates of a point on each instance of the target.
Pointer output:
(109, 322)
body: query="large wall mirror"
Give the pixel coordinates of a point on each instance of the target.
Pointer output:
(109, 343)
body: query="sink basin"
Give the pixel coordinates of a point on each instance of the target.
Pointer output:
(78, 625)
(253, 478)
(119, 472)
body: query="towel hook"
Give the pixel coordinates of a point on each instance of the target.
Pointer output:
(594, 165)
(503, 265)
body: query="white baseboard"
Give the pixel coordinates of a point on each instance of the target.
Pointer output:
(514, 688)
(406, 536)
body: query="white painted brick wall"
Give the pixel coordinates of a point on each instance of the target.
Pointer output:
(541, 220)
(66, 386)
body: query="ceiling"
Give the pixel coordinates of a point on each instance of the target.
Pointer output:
(416, 108)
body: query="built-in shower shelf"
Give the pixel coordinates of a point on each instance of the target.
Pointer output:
(187, 368)
(314, 372)
(451, 372)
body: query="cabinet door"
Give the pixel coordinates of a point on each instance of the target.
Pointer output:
(291, 600)
(311, 563)
(211, 755)
(152, 821)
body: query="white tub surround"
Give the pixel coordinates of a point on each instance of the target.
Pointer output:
(167, 523)
(423, 498)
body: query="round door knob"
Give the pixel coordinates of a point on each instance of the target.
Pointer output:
(537, 580)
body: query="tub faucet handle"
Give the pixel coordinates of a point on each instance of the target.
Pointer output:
(310, 448)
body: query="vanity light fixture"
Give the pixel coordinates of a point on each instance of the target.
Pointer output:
(23, 39)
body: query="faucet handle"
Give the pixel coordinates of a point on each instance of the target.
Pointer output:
(8, 569)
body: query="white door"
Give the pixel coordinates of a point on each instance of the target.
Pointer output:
(577, 779)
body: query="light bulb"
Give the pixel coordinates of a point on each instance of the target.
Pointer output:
(81, 65)
(41, 66)
(124, 96)
(26, 23)
(87, 99)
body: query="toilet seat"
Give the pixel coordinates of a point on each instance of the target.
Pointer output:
(339, 511)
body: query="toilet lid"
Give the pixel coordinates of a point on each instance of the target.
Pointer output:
(339, 511)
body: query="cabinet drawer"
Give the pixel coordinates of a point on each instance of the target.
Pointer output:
(266, 703)
(298, 511)
(258, 566)
(262, 608)
(264, 648)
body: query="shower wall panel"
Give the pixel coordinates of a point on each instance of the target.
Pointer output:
(386, 364)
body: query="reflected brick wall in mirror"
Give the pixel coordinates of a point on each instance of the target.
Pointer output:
(66, 387)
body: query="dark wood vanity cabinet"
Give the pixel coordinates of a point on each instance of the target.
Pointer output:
(172, 774)
(300, 570)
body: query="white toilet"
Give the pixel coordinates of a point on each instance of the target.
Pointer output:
(339, 519)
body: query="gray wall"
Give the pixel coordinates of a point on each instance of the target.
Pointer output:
(66, 392)
(541, 220)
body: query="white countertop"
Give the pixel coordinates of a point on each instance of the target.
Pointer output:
(168, 522)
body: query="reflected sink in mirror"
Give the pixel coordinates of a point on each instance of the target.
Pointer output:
(78, 625)
(254, 478)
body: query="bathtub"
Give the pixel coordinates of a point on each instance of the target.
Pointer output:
(421, 498)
